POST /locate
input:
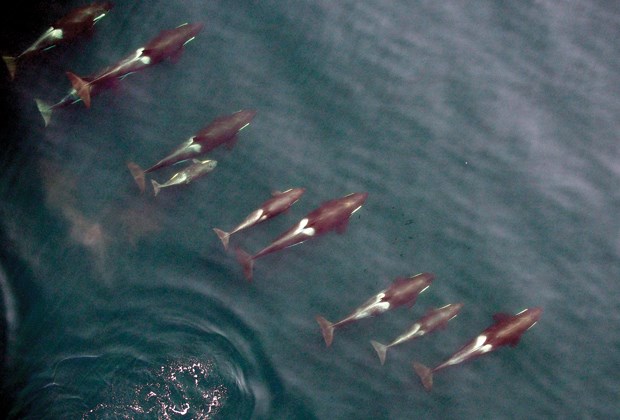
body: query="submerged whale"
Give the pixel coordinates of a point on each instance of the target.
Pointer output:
(223, 130)
(432, 321)
(278, 203)
(167, 44)
(403, 291)
(331, 215)
(507, 330)
(196, 170)
(77, 22)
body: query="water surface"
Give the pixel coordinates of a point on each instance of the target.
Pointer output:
(486, 138)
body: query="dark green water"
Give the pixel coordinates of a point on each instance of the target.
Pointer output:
(486, 137)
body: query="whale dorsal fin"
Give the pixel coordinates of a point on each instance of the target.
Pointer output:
(230, 143)
(176, 55)
(501, 316)
(514, 341)
(342, 227)
(398, 281)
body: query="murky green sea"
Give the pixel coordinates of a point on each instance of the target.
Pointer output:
(485, 134)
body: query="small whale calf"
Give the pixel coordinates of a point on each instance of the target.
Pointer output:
(433, 320)
(197, 169)
(223, 130)
(507, 330)
(403, 291)
(331, 215)
(278, 203)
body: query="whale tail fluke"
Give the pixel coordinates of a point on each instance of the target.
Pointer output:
(327, 329)
(138, 175)
(156, 187)
(425, 374)
(247, 262)
(224, 237)
(82, 88)
(11, 65)
(45, 109)
(381, 350)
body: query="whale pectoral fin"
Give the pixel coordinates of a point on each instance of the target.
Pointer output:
(342, 227)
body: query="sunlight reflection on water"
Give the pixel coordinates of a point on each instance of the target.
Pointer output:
(186, 388)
